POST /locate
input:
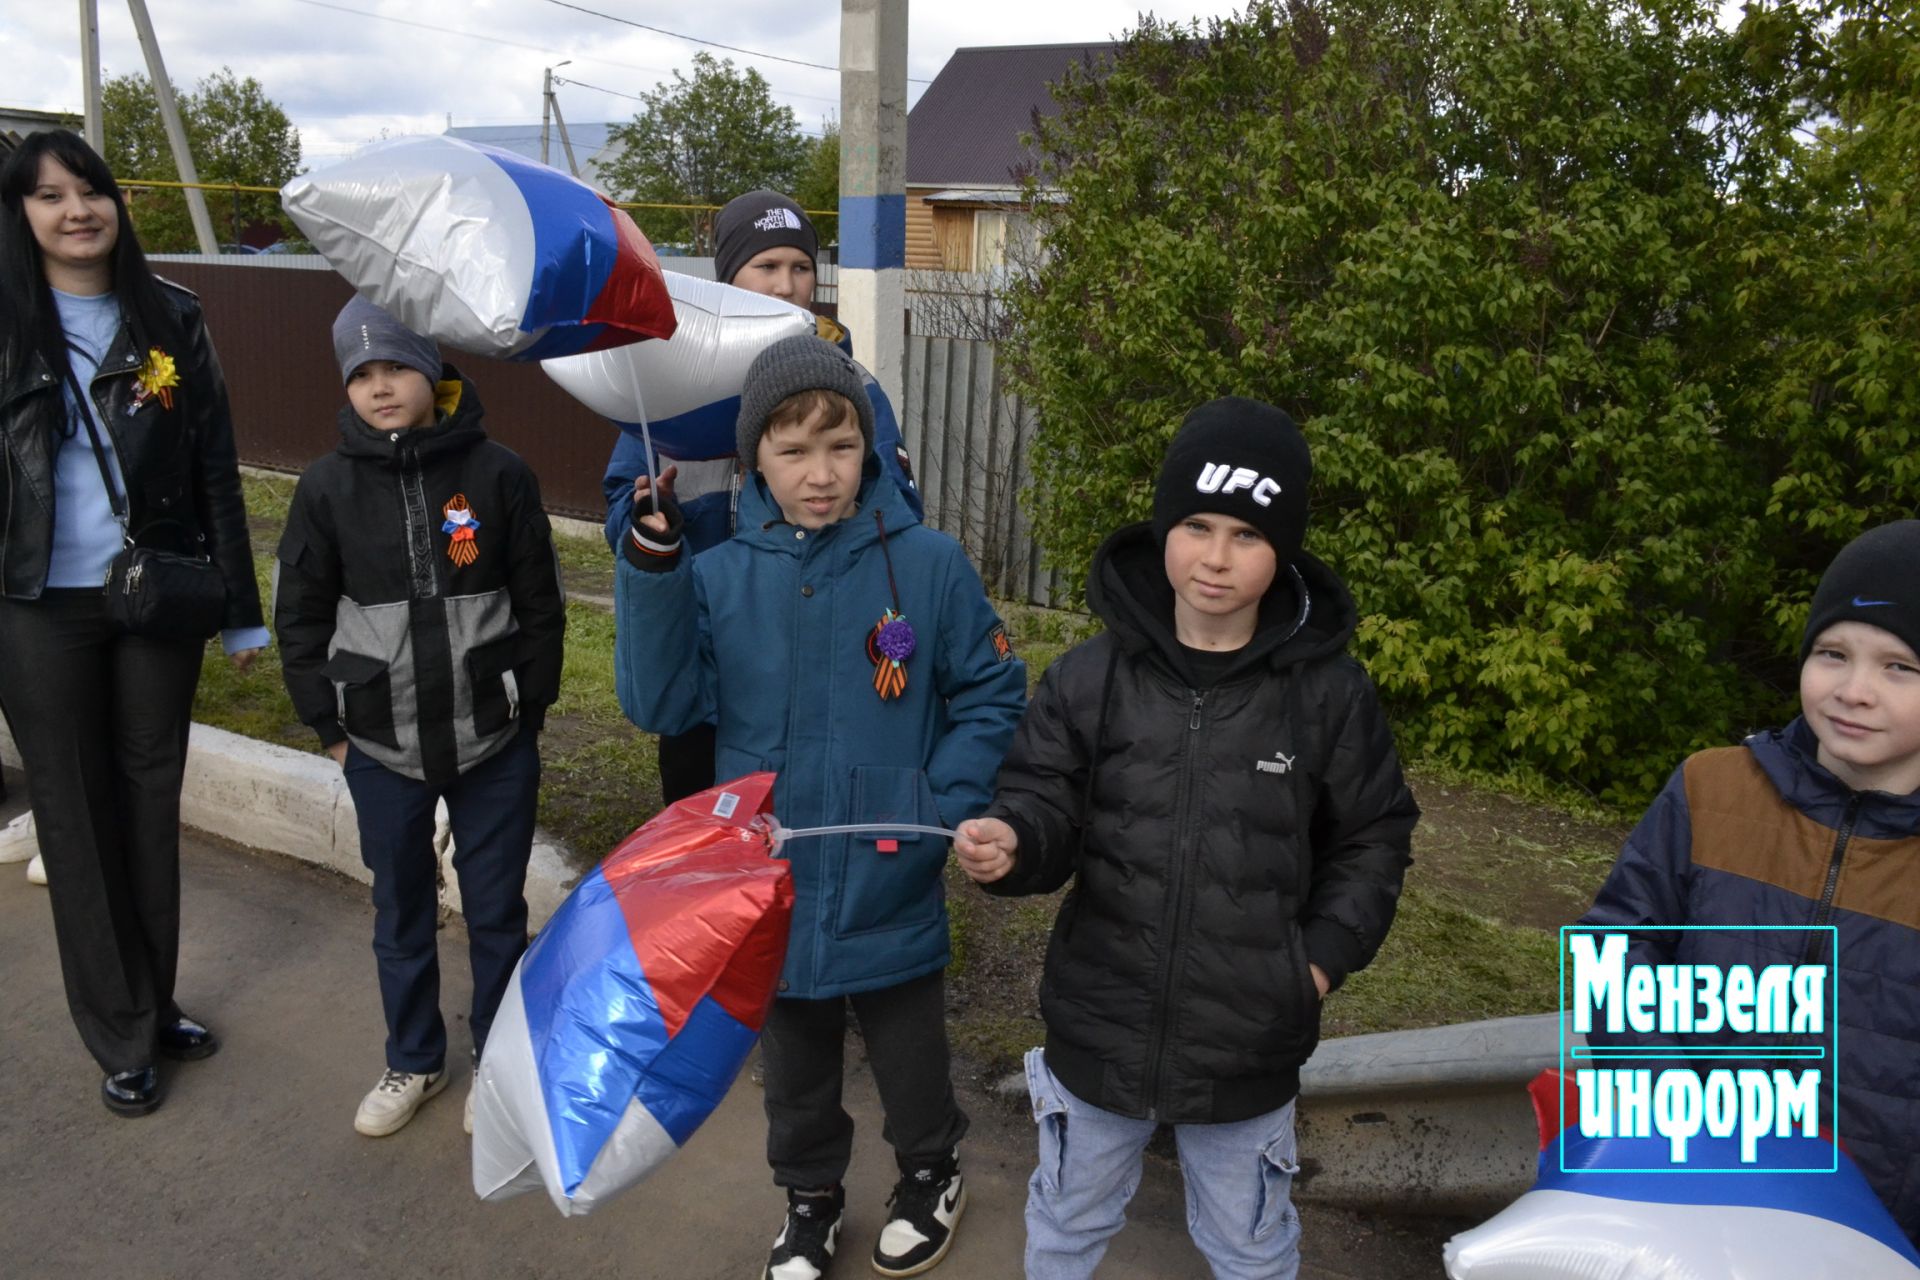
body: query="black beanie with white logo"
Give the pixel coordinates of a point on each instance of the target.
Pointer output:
(751, 224)
(1875, 579)
(1241, 458)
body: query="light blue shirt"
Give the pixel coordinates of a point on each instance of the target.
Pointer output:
(86, 533)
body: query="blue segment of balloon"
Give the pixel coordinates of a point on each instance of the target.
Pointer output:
(1595, 1211)
(482, 249)
(687, 389)
(629, 1016)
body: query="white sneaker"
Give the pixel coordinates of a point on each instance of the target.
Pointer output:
(391, 1103)
(18, 840)
(36, 871)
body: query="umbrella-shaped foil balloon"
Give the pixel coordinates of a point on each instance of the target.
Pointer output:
(684, 394)
(628, 1018)
(1617, 1213)
(630, 1014)
(482, 249)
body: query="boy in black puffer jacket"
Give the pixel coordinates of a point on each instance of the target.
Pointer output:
(1216, 776)
(421, 618)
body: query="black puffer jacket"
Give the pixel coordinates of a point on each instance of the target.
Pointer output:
(1234, 834)
(179, 461)
(417, 597)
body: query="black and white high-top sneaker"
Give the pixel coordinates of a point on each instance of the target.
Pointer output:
(804, 1248)
(924, 1208)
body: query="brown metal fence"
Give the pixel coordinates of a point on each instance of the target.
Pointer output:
(273, 326)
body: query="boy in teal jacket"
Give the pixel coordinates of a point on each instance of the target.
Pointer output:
(840, 643)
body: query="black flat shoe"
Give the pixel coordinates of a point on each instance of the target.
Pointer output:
(131, 1093)
(186, 1041)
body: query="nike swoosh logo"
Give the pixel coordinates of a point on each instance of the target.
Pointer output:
(949, 1200)
(1858, 603)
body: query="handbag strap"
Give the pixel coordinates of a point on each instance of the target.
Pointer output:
(114, 497)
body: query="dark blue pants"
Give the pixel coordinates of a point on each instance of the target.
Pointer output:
(492, 808)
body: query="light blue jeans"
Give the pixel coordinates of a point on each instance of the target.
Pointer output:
(1238, 1179)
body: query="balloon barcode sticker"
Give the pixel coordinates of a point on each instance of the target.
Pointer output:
(725, 804)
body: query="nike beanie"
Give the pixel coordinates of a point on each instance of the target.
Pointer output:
(1875, 579)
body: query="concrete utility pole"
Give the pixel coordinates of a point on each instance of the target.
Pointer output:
(176, 131)
(873, 186)
(566, 142)
(546, 108)
(94, 129)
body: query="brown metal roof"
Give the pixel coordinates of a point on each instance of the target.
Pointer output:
(965, 130)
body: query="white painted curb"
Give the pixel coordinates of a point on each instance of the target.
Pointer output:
(270, 797)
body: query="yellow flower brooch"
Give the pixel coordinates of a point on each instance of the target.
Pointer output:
(157, 377)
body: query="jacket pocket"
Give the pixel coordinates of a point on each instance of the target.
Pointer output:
(889, 881)
(364, 690)
(496, 690)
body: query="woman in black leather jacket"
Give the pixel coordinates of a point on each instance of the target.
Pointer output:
(113, 417)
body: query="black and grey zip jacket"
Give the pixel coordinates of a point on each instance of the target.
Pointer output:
(416, 595)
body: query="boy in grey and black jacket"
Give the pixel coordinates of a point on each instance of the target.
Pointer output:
(420, 617)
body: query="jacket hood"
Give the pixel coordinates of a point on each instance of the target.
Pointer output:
(1790, 757)
(460, 425)
(762, 523)
(1307, 613)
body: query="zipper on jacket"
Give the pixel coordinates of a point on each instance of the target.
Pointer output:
(413, 494)
(1823, 910)
(1176, 901)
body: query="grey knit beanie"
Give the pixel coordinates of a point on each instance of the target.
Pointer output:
(803, 362)
(363, 332)
(751, 224)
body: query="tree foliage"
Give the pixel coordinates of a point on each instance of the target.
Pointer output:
(1536, 277)
(818, 186)
(703, 140)
(237, 134)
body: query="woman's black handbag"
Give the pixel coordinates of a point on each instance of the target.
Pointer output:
(162, 595)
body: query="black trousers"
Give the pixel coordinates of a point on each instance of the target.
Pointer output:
(809, 1134)
(686, 763)
(101, 719)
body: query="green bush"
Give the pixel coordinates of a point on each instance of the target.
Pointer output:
(1521, 270)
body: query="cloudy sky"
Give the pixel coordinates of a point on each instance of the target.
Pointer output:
(346, 69)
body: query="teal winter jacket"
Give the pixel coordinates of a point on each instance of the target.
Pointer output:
(766, 635)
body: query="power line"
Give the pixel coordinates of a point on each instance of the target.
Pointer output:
(582, 84)
(472, 35)
(715, 44)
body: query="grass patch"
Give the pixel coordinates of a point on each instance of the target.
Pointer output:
(1443, 963)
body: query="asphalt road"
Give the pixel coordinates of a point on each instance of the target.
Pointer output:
(251, 1168)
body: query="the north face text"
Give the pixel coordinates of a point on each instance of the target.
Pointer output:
(777, 220)
(1218, 477)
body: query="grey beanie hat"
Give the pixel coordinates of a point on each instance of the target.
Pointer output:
(751, 224)
(803, 362)
(363, 332)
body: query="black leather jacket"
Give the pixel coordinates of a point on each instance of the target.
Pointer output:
(179, 462)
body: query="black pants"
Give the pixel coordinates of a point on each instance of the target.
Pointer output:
(101, 719)
(809, 1134)
(686, 763)
(490, 808)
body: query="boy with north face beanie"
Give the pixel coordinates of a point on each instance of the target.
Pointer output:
(837, 641)
(1216, 777)
(1813, 825)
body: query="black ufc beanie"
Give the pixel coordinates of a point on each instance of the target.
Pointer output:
(1241, 458)
(755, 222)
(1875, 579)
